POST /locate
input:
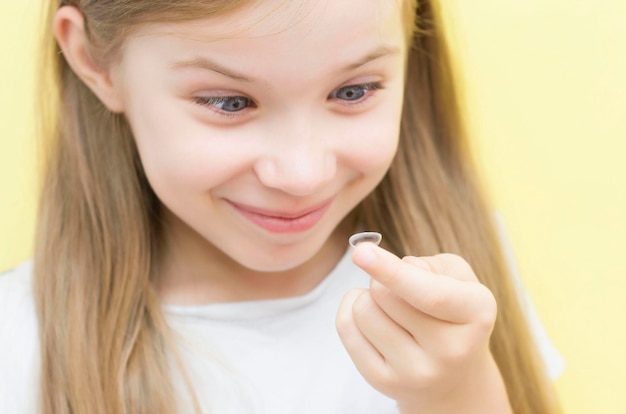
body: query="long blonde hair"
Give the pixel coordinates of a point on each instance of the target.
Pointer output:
(105, 346)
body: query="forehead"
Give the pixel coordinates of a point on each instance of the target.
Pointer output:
(275, 29)
(267, 17)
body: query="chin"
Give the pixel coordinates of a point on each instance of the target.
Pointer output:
(276, 263)
(277, 258)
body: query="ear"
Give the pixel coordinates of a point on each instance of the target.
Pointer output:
(69, 30)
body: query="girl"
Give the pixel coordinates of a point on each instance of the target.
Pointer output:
(208, 161)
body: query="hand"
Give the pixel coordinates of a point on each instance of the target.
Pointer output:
(420, 333)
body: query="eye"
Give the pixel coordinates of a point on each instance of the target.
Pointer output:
(354, 93)
(226, 103)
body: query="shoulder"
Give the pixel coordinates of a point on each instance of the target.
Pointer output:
(16, 299)
(19, 347)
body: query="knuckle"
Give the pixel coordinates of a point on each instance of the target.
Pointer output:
(362, 306)
(425, 375)
(457, 352)
(343, 323)
(450, 263)
(380, 293)
(487, 309)
(396, 381)
(385, 381)
(344, 320)
(451, 257)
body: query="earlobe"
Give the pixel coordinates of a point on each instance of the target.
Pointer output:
(69, 30)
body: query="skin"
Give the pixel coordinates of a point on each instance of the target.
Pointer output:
(420, 333)
(297, 147)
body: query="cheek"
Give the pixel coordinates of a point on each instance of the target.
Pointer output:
(178, 152)
(373, 142)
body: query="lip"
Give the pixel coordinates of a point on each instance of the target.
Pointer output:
(283, 221)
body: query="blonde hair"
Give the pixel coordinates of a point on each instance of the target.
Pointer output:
(105, 346)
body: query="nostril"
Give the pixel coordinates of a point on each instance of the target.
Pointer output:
(265, 170)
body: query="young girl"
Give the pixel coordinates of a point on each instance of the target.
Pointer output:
(208, 160)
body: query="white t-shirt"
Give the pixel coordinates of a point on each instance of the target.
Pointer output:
(263, 357)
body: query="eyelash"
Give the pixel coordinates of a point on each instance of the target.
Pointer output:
(212, 102)
(365, 87)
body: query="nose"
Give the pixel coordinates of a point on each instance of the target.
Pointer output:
(298, 160)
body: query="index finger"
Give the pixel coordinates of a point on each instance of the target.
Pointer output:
(441, 296)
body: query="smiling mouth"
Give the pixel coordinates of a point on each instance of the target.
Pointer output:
(283, 222)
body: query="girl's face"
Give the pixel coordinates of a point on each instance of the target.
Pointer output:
(261, 130)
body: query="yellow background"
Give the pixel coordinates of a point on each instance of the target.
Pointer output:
(546, 92)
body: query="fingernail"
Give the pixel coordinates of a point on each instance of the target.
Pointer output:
(364, 256)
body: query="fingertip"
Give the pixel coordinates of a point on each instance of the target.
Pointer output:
(365, 255)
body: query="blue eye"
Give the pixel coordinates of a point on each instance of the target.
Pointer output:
(226, 103)
(353, 93)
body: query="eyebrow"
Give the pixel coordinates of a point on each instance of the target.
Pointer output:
(377, 53)
(210, 65)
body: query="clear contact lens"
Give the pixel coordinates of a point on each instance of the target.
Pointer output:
(366, 236)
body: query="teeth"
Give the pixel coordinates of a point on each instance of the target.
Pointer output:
(367, 236)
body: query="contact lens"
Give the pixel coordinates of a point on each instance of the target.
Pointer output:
(366, 236)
